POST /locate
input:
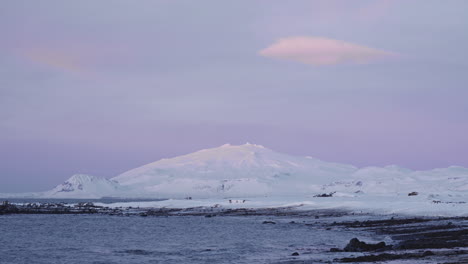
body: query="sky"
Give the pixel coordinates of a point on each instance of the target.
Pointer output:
(101, 87)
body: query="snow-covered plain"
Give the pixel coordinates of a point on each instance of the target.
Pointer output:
(254, 176)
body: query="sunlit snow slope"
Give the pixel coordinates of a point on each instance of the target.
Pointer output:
(246, 170)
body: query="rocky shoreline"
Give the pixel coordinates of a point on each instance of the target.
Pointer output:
(436, 239)
(210, 211)
(414, 238)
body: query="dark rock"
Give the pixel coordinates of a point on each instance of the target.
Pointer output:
(412, 193)
(355, 245)
(434, 239)
(325, 194)
(386, 223)
(269, 222)
(295, 254)
(406, 256)
(374, 258)
(8, 208)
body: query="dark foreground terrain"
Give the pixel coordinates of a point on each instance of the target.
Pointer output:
(437, 239)
(334, 236)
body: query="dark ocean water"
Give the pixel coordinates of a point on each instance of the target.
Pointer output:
(179, 239)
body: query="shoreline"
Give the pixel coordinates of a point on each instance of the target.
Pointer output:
(442, 239)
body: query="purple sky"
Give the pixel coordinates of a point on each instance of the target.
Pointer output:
(100, 87)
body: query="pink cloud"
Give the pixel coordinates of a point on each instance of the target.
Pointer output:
(322, 51)
(66, 61)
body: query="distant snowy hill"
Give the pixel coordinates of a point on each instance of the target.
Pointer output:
(85, 186)
(393, 180)
(255, 171)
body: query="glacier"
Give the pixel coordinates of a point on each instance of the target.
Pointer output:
(259, 174)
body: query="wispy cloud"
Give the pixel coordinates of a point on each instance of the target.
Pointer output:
(60, 60)
(323, 51)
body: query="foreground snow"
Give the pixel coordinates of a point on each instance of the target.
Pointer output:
(263, 177)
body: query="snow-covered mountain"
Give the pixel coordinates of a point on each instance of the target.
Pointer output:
(85, 186)
(255, 171)
(245, 170)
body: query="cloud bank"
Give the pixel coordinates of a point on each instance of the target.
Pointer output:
(322, 51)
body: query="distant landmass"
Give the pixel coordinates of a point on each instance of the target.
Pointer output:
(251, 170)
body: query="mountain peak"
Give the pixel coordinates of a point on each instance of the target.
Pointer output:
(246, 145)
(223, 152)
(84, 185)
(81, 178)
(76, 182)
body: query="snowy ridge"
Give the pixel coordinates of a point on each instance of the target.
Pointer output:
(393, 180)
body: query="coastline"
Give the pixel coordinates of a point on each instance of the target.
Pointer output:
(431, 238)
